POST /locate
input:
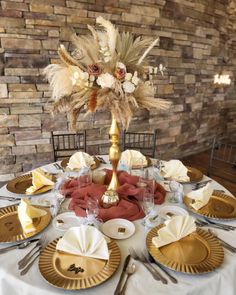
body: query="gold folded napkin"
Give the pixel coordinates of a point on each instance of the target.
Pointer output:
(26, 214)
(201, 196)
(175, 229)
(84, 240)
(175, 170)
(80, 160)
(133, 158)
(39, 180)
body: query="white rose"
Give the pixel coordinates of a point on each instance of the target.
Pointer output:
(128, 87)
(120, 65)
(76, 75)
(106, 80)
(135, 78)
(84, 75)
(128, 76)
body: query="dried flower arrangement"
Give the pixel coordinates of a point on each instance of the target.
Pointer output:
(106, 71)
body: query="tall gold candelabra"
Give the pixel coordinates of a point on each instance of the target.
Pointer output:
(110, 197)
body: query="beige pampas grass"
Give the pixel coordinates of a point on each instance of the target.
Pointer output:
(59, 77)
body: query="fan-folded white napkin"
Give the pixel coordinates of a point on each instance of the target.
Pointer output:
(175, 170)
(133, 158)
(84, 240)
(201, 196)
(39, 180)
(26, 213)
(80, 160)
(176, 228)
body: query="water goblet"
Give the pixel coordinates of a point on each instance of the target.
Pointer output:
(147, 205)
(92, 207)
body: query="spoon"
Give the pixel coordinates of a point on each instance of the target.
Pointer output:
(130, 270)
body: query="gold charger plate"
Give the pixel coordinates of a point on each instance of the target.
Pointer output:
(10, 227)
(54, 266)
(197, 253)
(20, 184)
(194, 174)
(149, 163)
(65, 161)
(220, 207)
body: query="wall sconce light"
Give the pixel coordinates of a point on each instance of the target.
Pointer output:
(222, 79)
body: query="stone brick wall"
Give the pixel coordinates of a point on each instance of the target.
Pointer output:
(197, 41)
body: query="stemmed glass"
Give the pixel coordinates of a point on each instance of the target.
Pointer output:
(147, 205)
(92, 208)
(92, 211)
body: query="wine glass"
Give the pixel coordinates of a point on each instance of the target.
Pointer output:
(85, 177)
(92, 208)
(176, 192)
(147, 205)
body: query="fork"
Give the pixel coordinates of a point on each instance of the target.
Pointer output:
(150, 268)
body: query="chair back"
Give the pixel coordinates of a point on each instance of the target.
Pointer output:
(223, 159)
(65, 144)
(144, 142)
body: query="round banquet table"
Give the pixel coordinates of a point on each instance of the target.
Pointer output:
(221, 281)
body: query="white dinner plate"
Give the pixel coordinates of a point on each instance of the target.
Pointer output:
(69, 220)
(175, 210)
(118, 228)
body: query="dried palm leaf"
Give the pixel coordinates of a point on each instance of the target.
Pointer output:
(131, 48)
(68, 59)
(84, 44)
(147, 51)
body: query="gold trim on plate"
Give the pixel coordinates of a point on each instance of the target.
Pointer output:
(10, 227)
(197, 253)
(73, 272)
(149, 163)
(20, 184)
(194, 174)
(65, 161)
(220, 206)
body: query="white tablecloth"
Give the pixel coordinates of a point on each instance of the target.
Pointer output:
(221, 281)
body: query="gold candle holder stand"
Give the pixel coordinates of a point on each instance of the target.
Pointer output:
(111, 197)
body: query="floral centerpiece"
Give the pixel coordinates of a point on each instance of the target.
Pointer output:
(105, 71)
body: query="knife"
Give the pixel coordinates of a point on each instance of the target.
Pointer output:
(119, 285)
